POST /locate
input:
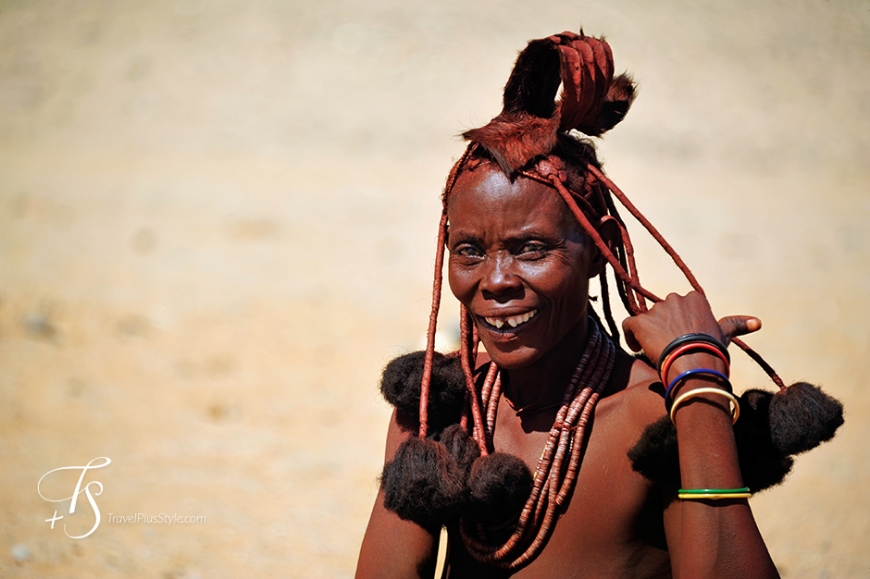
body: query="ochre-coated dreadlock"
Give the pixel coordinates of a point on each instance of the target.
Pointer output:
(428, 481)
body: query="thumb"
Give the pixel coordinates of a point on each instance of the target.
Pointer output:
(733, 326)
(628, 334)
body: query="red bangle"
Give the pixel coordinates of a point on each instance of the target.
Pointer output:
(666, 365)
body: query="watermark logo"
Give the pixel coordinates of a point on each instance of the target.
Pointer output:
(160, 519)
(79, 489)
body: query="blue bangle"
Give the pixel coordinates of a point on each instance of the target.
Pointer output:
(692, 372)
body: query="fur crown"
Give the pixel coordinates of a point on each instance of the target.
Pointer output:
(592, 100)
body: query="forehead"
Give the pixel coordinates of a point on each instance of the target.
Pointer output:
(487, 197)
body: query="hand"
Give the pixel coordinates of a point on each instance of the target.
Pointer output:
(679, 315)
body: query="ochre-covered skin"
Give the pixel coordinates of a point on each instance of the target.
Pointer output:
(515, 247)
(526, 256)
(528, 219)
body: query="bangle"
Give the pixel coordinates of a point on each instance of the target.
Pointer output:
(714, 491)
(692, 372)
(669, 360)
(689, 338)
(735, 404)
(712, 496)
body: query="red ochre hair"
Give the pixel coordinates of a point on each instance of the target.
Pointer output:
(534, 137)
(530, 138)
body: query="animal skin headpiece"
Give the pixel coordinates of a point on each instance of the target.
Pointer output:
(592, 100)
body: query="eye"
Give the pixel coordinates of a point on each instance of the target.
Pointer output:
(468, 250)
(531, 250)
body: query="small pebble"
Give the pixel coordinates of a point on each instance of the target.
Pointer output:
(20, 552)
(40, 326)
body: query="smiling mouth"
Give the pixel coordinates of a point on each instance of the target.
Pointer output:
(511, 321)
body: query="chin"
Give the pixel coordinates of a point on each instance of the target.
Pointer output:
(514, 358)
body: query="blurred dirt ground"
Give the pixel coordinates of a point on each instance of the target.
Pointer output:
(217, 224)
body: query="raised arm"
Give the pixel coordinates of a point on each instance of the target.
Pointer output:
(706, 538)
(393, 548)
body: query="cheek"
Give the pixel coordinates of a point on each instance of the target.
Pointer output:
(460, 283)
(557, 282)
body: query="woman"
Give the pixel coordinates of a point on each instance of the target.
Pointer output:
(528, 220)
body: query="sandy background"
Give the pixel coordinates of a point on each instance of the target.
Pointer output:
(217, 224)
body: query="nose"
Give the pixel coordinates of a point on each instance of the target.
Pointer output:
(499, 277)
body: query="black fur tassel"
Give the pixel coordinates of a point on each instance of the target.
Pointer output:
(761, 463)
(772, 427)
(400, 386)
(460, 446)
(500, 485)
(655, 455)
(423, 483)
(802, 417)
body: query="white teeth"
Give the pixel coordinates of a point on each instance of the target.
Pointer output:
(513, 321)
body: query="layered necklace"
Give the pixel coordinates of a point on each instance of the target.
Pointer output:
(556, 473)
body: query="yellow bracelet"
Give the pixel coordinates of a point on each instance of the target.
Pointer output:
(714, 496)
(735, 404)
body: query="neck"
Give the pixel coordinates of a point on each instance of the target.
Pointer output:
(543, 383)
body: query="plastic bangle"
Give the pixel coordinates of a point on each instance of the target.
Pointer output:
(713, 496)
(667, 362)
(693, 372)
(714, 491)
(688, 338)
(735, 408)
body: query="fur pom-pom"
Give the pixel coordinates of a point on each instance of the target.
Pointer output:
(761, 464)
(400, 386)
(771, 428)
(423, 483)
(499, 485)
(461, 447)
(802, 417)
(655, 455)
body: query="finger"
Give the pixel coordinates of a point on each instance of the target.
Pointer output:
(733, 326)
(628, 334)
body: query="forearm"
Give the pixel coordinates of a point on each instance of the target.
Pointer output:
(718, 538)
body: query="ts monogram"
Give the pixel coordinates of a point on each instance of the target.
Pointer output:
(78, 490)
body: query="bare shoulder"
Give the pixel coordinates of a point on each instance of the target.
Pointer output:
(635, 394)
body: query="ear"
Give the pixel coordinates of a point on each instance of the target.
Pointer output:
(608, 228)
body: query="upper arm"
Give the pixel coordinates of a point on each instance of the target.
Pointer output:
(392, 547)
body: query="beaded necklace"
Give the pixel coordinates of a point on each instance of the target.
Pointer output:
(553, 483)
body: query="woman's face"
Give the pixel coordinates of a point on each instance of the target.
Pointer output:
(519, 262)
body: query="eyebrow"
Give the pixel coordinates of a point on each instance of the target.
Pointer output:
(524, 234)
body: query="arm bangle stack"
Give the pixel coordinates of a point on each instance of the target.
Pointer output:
(693, 372)
(693, 339)
(735, 404)
(667, 361)
(714, 494)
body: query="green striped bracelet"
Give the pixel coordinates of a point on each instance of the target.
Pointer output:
(714, 494)
(715, 491)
